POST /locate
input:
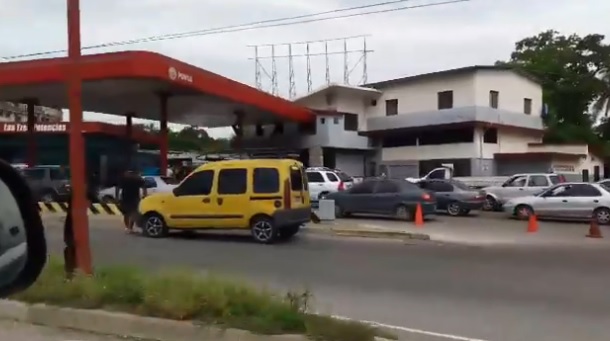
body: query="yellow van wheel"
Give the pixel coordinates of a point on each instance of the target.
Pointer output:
(263, 229)
(154, 226)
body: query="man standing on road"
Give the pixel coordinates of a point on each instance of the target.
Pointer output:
(128, 192)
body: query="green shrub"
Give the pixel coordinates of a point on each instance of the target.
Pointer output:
(182, 295)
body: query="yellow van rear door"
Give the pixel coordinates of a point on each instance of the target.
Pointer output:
(299, 195)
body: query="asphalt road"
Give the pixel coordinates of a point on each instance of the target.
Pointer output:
(490, 293)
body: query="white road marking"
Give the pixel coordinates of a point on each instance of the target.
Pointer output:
(410, 330)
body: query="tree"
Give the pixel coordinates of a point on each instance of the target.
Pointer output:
(568, 69)
(191, 139)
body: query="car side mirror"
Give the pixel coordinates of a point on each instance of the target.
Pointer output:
(23, 248)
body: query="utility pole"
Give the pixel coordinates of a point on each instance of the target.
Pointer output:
(327, 63)
(309, 83)
(345, 63)
(257, 70)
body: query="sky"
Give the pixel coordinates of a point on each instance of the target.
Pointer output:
(405, 42)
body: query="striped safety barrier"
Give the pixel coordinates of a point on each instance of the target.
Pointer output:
(94, 209)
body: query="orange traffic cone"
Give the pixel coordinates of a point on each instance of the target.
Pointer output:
(419, 216)
(594, 230)
(532, 224)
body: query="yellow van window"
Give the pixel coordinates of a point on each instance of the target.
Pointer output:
(296, 179)
(232, 181)
(266, 180)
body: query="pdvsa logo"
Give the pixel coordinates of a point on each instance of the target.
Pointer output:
(174, 75)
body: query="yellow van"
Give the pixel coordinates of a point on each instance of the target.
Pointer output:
(269, 197)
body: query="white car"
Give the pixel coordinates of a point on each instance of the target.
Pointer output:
(323, 181)
(565, 201)
(153, 184)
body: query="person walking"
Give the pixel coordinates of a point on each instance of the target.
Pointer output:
(128, 192)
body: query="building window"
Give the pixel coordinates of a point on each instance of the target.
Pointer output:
(350, 122)
(445, 100)
(494, 98)
(490, 135)
(322, 120)
(336, 120)
(391, 107)
(527, 106)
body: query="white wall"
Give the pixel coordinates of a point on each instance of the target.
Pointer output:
(444, 151)
(422, 95)
(470, 89)
(512, 88)
(509, 141)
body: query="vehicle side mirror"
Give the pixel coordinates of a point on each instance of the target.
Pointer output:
(23, 248)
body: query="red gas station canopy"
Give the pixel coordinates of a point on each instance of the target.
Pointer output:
(138, 135)
(130, 82)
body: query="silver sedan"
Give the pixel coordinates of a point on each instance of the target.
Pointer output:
(566, 201)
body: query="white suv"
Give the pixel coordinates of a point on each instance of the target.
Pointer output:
(323, 181)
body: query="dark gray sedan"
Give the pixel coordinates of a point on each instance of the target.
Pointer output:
(454, 197)
(396, 198)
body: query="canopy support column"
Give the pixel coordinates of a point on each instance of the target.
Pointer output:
(129, 136)
(79, 206)
(32, 150)
(238, 129)
(164, 136)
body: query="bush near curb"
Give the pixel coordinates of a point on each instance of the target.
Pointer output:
(182, 295)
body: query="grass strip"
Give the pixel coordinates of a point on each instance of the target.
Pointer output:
(185, 296)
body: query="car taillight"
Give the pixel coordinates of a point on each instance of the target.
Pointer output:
(341, 186)
(426, 197)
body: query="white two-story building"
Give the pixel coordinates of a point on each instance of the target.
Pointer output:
(482, 120)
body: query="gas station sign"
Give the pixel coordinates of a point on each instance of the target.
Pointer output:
(38, 127)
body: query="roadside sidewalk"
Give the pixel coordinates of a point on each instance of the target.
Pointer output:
(17, 331)
(474, 230)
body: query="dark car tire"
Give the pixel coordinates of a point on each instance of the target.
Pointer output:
(288, 232)
(454, 209)
(464, 212)
(264, 230)
(602, 216)
(154, 226)
(490, 204)
(523, 212)
(339, 212)
(403, 213)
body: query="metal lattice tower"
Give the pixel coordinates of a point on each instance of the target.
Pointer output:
(327, 63)
(292, 91)
(274, 87)
(309, 50)
(309, 82)
(345, 64)
(257, 70)
(365, 68)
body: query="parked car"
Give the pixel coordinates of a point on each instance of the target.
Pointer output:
(48, 183)
(323, 181)
(396, 198)
(153, 184)
(569, 201)
(518, 185)
(267, 197)
(454, 197)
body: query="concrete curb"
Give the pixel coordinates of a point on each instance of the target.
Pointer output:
(368, 233)
(121, 324)
(128, 325)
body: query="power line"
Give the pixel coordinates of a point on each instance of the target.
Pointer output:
(250, 26)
